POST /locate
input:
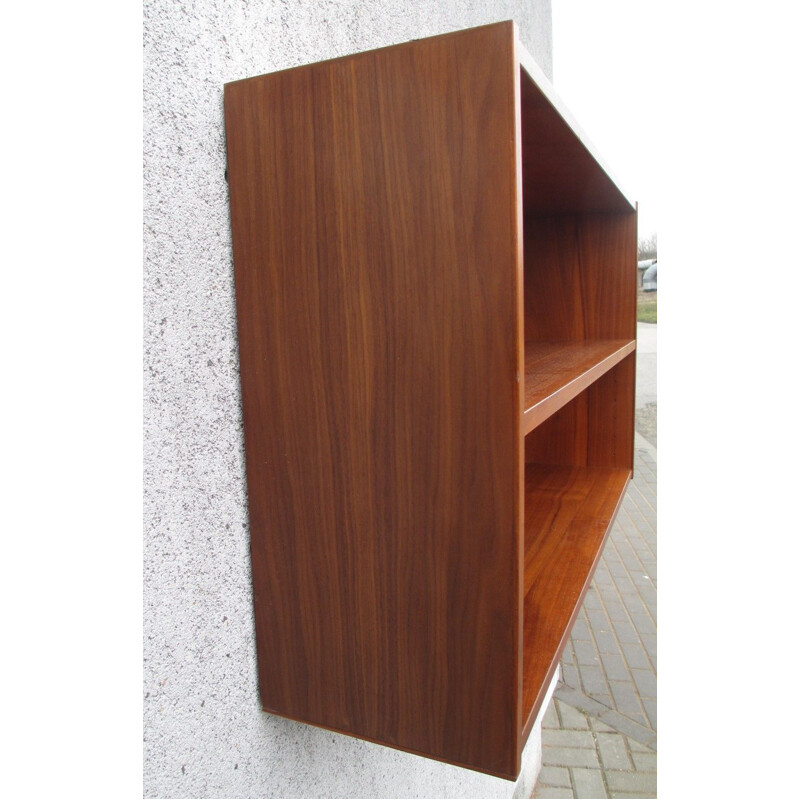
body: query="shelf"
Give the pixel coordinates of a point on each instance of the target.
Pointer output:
(568, 513)
(557, 372)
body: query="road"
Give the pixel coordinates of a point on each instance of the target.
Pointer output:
(646, 400)
(645, 364)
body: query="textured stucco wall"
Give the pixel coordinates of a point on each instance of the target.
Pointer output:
(205, 735)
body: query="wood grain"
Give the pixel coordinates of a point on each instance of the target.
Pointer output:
(568, 514)
(379, 339)
(561, 173)
(556, 372)
(539, 95)
(595, 429)
(580, 277)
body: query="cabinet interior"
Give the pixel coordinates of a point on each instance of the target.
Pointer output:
(579, 323)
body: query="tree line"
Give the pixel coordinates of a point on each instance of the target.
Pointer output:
(648, 247)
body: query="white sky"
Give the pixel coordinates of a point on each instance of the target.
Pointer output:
(604, 69)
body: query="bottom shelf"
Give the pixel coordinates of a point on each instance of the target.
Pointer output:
(568, 513)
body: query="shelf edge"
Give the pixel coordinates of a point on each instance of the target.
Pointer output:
(537, 413)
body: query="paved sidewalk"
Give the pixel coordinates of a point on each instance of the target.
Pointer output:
(599, 732)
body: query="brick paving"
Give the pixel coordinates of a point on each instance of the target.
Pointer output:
(599, 732)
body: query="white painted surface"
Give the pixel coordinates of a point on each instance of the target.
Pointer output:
(532, 755)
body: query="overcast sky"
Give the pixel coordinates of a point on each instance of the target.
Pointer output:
(604, 70)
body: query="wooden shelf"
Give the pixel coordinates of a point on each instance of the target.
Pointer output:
(568, 514)
(556, 372)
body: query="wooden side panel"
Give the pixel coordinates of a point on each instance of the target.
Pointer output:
(580, 277)
(373, 210)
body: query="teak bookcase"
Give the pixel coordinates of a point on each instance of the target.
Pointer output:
(436, 294)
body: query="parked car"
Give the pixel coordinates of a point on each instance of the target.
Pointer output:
(649, 279)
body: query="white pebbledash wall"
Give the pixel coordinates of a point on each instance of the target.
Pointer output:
(204, 732)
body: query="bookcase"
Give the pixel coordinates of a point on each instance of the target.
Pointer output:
(436, 299)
